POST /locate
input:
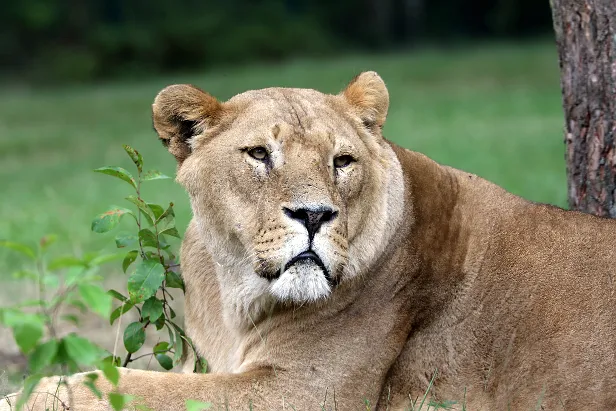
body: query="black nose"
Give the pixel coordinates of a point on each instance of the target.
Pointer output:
(312, 219)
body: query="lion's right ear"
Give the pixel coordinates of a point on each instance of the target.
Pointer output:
(181, 112)
(368, 95)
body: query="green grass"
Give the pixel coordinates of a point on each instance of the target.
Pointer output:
(494, 110)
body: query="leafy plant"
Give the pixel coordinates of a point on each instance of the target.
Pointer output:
(69, 287)
(153, 269)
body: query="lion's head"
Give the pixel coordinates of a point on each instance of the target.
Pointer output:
(292, 190)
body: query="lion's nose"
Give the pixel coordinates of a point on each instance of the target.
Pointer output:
(312, 218)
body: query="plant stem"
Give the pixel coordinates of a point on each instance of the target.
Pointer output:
(127, 360)
(139, 212)
(153, 353)
(41, 284)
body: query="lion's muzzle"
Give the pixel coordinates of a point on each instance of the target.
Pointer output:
(312, 218)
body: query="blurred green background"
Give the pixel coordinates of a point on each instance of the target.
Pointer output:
(473, 84)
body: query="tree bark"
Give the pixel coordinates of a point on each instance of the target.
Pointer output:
(586, 40)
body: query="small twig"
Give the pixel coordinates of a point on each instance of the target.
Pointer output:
(48, 318)
(139, 212)
(153, 353)
(115, 344)
(150, 361)
(127, 360)
(168, 293)
(61, 297)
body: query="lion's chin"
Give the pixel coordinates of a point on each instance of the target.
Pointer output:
(301, 283)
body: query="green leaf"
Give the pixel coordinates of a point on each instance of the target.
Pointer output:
(161, 347)
(117, 361)
(29, 303)
(145, 210)
(109, 219)
(171, 336)
(50, 280)
(134, 337)
(154, 175)
(171, 257)
(118, 296)
(78, 304)
(148, 238)
(74, 275)
(173, 280)
(124, 240)
(179, 344)
(118, 401)
(111, 373)
(47, 241)
(118, 172)
(105, 258)
(203, 363)
(81, 350)
(118, 312)
(27, 334)
(130, 258)
(91, 384)
(172, 231)
(29, 385)
(165, 361)
(146, 280)
(25, 274)
(160, 323)
(156, 210)
(42, 356)
(63, 358)
(194, 405)
(65, 262)
(96, 298)
(167, 215)
(162, 243)
(135, 156)
(171, 313)
(151, 255)
(12, 317)
(72, 318)
(152, 309)
(21, 248)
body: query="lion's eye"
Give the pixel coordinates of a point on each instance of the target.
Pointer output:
(343, 161)
(258, 153)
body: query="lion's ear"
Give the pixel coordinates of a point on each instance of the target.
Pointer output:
(368, 94)
(179, 113)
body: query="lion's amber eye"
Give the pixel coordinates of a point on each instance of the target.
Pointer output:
(343, 161)
(258, 153)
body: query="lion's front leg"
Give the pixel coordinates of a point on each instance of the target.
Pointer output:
(259, 389)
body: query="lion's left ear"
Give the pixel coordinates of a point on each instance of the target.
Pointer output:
(179, 113)
(368, 94)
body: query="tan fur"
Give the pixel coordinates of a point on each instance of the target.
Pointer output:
(439, 270)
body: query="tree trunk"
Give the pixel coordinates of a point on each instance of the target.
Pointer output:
(586, 39)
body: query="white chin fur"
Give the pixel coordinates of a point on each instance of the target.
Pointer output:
(303, 282)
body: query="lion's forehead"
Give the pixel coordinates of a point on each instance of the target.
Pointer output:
(283, 112)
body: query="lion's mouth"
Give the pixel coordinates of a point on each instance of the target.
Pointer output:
(305, 278)
(309, 256)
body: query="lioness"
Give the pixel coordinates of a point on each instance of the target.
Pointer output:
(327, 268)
